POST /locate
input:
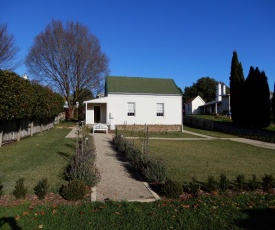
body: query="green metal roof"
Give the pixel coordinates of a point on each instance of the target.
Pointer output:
(140, 85)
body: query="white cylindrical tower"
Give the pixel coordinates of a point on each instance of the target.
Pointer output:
(219, 92)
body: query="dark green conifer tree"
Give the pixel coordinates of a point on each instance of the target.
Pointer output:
(257, 103)
(236, 90)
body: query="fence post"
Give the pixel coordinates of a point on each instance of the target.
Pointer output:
(19, 131)
(1, 134)
(1, 137)
(31, 132)
(41, 125)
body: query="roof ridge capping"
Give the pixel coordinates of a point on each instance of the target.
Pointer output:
(141, 85)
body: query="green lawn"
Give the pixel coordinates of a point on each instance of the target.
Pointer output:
(46, 154)
(199, 159)
(208, 133)
(214, 118)
(208, 212)
(41, 156)
(157, 134)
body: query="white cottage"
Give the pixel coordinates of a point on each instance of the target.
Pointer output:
(192, 106)
(137, 101)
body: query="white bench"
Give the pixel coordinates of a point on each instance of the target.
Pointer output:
(100, 127)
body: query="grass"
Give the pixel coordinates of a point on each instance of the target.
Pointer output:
(209, 133)
(214, 118)
(157, 134)
(45, 155)
(67, 124)
(41, 156)
(246, 211)
(187, 159)
(271, 127)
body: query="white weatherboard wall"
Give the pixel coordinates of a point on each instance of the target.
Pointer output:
(145, 109)
(193, 107)
(196, 103)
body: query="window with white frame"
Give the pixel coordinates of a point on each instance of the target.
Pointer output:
(160, 109)
(131, 109)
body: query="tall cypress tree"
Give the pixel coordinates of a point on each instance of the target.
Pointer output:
(257, 104)
(236, 89)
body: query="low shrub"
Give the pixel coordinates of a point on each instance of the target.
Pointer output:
(85, 172)
(211, 184)
(193, 188)
(132, 154)
(82, 165)
(73, 190)
(240, 180)
(120, 144)
(171, 189)
(224, 182)
(253, 184)
(268, 181)
(154, 170)
(41, 189)
(20, 190)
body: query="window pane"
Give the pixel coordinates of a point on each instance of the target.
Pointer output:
(160, 109)
(131, 109)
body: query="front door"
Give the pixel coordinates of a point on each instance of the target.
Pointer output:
(96, 114)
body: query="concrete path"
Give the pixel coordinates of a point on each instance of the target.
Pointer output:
(118, 179)
(261, 144)
(72, 134)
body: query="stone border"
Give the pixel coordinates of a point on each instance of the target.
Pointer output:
(154, 194)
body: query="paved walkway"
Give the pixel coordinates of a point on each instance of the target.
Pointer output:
(118, 179)
(237, 139)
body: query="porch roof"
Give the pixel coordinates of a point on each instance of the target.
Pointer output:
(97, 100)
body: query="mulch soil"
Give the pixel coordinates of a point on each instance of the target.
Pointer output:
(55, 199)
(32, 200)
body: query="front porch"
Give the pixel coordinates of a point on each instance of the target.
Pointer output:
(97, 112)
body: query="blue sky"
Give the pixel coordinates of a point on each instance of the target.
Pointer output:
(183, 40)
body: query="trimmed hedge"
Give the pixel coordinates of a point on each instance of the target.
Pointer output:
(152, 170)
(82, 166)
(22, 99)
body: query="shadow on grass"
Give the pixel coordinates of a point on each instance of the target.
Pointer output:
(10, 221)
(258, 219)
(65, 155)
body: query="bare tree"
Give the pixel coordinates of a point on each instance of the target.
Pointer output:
(8, 49)
(69, 59)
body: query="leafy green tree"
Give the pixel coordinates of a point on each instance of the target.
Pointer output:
(236, 90)
(205, 87)
(257, 102)
(22, 99)
(15, 96)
